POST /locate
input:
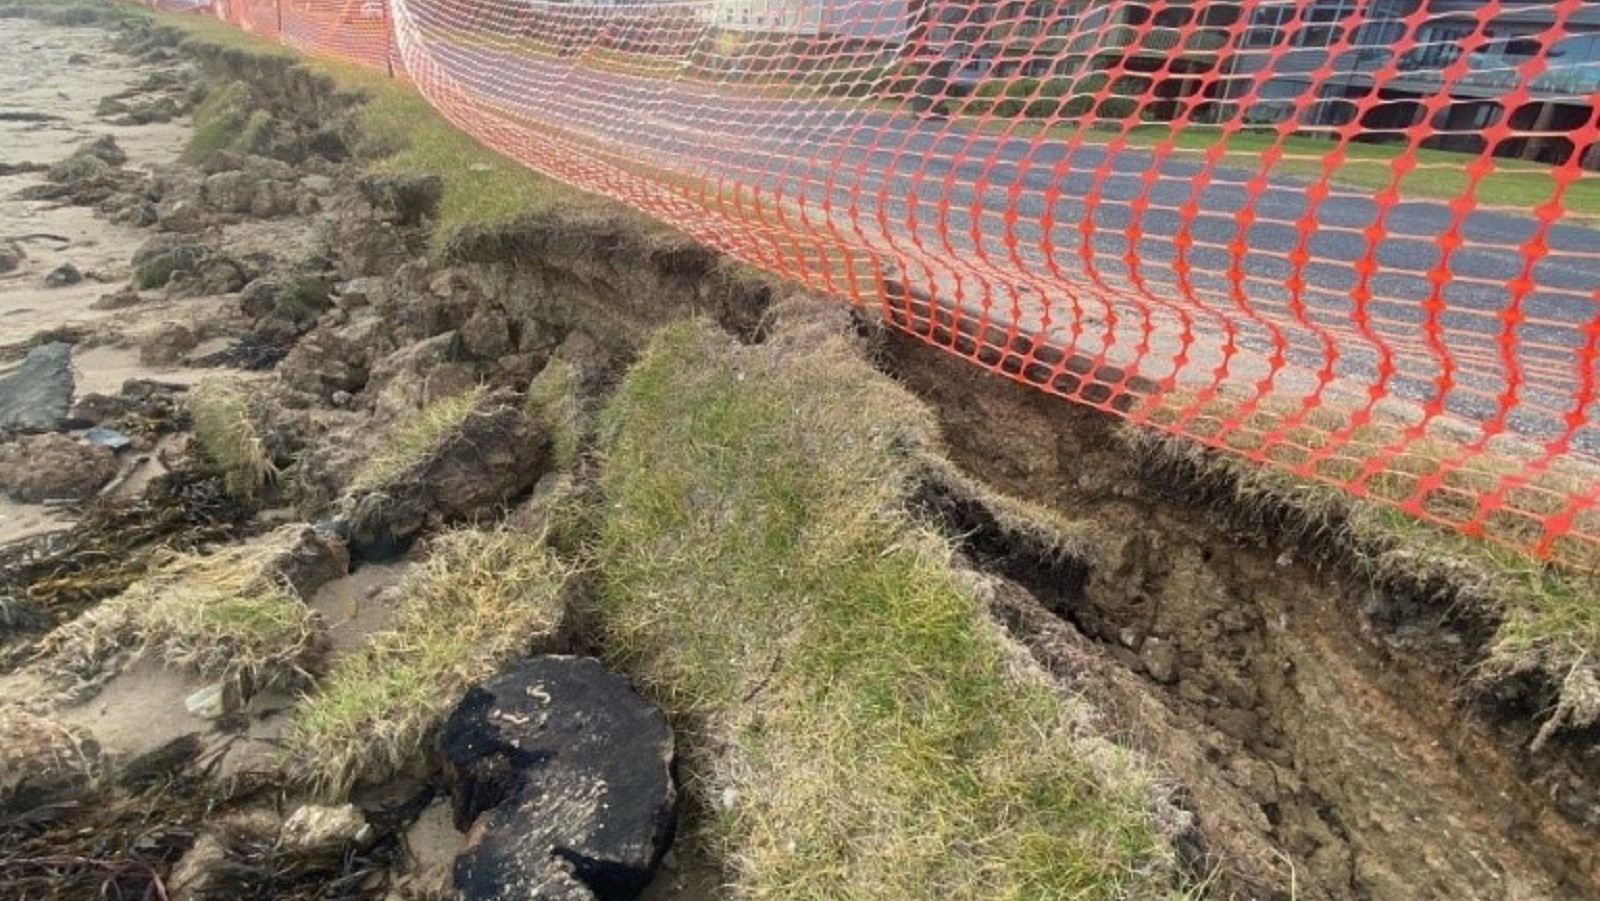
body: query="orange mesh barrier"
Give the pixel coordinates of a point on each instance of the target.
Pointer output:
(1351, 238)
(263, 17)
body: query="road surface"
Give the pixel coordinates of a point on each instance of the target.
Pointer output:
(1149, 262)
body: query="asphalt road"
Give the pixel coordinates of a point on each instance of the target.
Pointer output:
(1152, 263)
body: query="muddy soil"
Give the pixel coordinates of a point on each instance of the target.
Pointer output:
(1323, 760)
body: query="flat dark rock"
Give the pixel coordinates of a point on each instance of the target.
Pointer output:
(36, 395)
(564, 775)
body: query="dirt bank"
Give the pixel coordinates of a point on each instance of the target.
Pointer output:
(1321, 748)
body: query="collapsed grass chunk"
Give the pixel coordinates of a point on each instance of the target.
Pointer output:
(480, 599)
(413, 438)
(237, 615)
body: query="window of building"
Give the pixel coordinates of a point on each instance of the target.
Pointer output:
(1268, 26)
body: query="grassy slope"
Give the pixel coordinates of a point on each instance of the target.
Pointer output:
(867, 733)
(404, 133)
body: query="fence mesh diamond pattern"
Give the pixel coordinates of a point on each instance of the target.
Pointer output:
(1353, 239)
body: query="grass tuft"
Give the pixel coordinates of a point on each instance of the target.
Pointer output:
(410, 441)
(554, 402)
(227, 435)
(480, 599)
(857, 726)
(229, 615)
(221, 121)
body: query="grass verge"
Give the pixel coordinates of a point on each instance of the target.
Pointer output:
(401, 132)
(1515, 185)
(481, 598)
(861, 729)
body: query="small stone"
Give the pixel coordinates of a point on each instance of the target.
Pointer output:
(1160, 660)
(62, 276)
(355, 293)
(79, 59)
(214, 701)
(448, 283)
(261, 296)
(11, 257)
(167, 346)
(314, 828)
(117, 300)
(184, 217)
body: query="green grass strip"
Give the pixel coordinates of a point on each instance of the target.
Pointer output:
(868, 732)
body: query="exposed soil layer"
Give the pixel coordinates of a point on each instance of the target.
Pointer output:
(1325, 759)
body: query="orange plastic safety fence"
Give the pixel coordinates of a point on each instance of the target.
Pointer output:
(1355, 239)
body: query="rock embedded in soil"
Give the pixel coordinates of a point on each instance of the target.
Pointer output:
(486, 335)
(35, 396)
(229, 192)
(167, 345)
(405, 200)
(564, 774)
(62, 276)
(120, 299)
(495, 455)
(323, 365)
(165, 256)
(307, 558)
(38, 468)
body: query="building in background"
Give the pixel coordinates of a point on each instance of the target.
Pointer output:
(1374, 67)
(880, 20)
(1452, 67)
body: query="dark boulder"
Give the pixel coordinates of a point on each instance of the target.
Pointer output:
(564, 775)
(35, 396)
(62, 276)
